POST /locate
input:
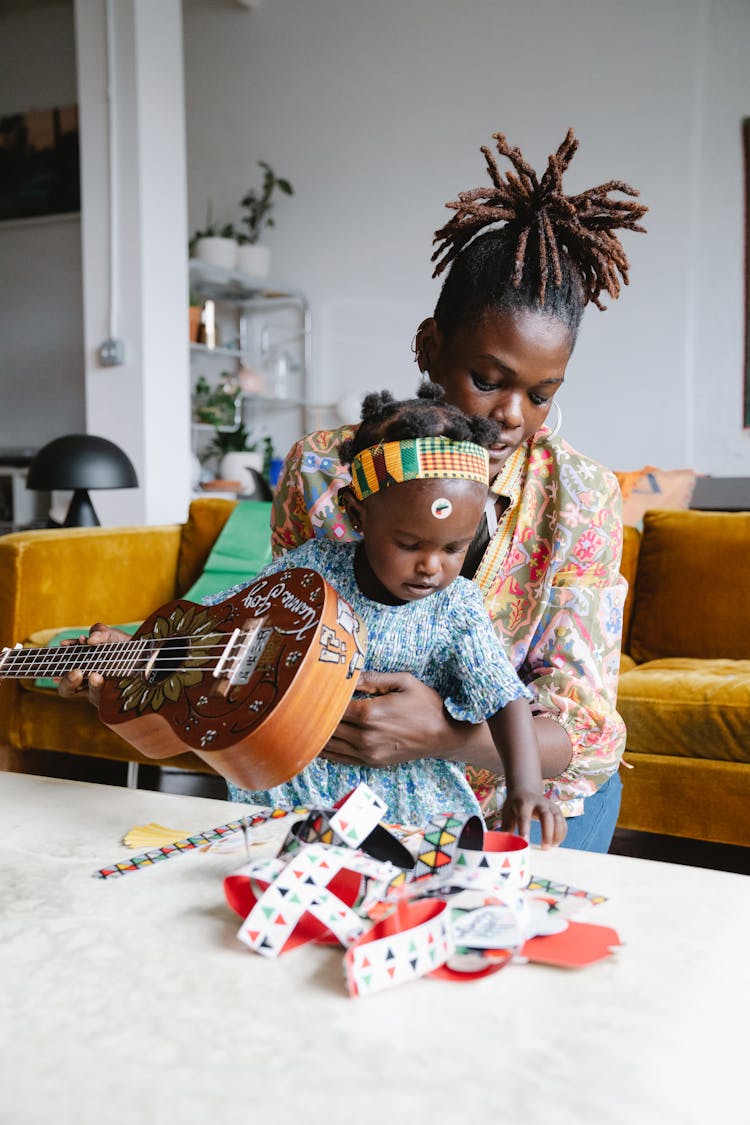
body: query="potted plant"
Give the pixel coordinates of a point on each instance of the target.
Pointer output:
(238, 457)
(253, 258)
(219, 406)
(215, 244)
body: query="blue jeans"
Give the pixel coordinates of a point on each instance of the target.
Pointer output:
(594, 829)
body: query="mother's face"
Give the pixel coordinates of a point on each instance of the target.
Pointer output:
(506, 367)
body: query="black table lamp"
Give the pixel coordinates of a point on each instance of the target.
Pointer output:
(80, 462)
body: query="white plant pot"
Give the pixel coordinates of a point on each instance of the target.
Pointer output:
(238, 466)
(253, 259)
(221, 252)
(196, 471)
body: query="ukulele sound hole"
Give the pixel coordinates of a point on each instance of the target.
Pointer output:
(168, 657)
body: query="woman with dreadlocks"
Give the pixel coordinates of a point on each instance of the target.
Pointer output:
(523, 259)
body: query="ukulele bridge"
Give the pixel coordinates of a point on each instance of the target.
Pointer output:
(241, 655)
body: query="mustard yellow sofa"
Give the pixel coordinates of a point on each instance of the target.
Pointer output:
(684, 689)
(72, 577)
(684, 686)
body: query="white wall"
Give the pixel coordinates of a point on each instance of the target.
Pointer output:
(41, 374)
(142, 405)
(376, 112)
(55, 274)
(716, 325)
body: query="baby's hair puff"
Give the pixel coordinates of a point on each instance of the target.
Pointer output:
(385, 418)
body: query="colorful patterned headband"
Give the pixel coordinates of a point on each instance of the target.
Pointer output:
(426, 458)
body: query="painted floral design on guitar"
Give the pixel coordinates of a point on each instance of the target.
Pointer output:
(185, 645)
(255, 683)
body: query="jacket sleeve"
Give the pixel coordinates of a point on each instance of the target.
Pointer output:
(572, 663)
(290, 520)
(306, 504)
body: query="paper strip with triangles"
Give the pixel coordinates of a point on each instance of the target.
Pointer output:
(305, 886)
(193, 843)
(411, 943)
(503, 859)
(355, 819)
(269, 925)
(562, 892)
(381, 842)
(443, 834)
(317, 895)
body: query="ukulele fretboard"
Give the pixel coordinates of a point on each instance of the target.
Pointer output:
(120, 658)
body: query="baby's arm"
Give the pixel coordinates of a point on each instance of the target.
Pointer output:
(512, 729)
(486, 687)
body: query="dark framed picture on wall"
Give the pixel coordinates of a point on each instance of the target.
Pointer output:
(39, 172)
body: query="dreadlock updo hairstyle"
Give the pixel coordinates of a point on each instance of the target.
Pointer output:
(554, 252)
(428, 415)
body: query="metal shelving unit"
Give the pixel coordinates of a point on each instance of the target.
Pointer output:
(262, 338)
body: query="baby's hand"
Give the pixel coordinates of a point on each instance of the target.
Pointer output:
(519, 808)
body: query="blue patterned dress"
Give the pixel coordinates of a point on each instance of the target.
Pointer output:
(551, 583)
(447, 641)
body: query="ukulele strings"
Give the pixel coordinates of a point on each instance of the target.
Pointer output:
(104, 658)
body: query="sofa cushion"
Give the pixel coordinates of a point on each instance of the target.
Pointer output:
(42, 719)
(206, 518)
(688, 708)
(242, 548)
(689, 797)
(691, 588)
(57, 577)
(654, 488)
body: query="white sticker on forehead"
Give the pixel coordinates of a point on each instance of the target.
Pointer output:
(441, 508)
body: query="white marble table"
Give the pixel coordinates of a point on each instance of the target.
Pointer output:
(131, 1001)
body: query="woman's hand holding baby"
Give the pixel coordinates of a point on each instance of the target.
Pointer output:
(401, 719)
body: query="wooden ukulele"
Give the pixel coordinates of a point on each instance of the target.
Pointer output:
(255, 685)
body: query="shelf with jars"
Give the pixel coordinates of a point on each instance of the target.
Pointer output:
(249, 363)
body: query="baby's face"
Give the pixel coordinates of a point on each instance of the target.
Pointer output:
(416, 535)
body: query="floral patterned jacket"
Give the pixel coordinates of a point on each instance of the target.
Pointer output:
(550, 579)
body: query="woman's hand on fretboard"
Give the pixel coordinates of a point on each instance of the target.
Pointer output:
(74, 682)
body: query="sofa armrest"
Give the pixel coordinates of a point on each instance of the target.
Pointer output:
(77, 576)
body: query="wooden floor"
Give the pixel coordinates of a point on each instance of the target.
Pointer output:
(642, 845)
